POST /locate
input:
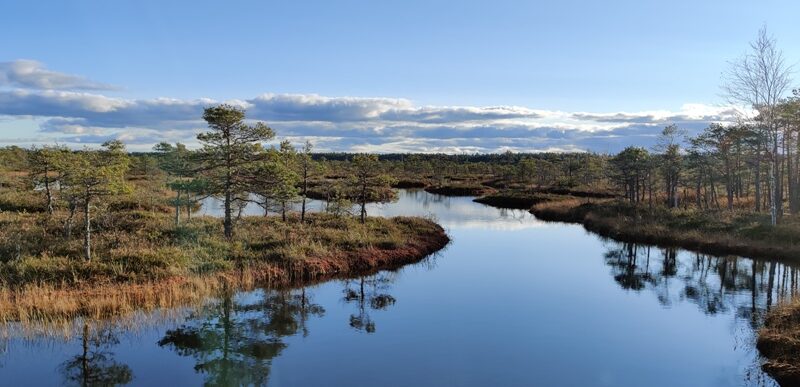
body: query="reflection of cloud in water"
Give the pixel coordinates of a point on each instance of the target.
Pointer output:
(455, 212)
(452, 212)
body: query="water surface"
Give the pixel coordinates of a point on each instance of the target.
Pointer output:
(512, 301)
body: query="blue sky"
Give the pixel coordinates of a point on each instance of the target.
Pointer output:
(377, 75)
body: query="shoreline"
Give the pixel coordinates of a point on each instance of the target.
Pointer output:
(515, 200)
(44, 302)
(640, 229)
(610, 219)
(459, 190)
(778, 341)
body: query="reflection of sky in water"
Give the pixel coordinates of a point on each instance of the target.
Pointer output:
(450, 212)
(215, 207)
(507, 303)
(454, 212)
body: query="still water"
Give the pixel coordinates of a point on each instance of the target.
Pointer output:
(512, 301)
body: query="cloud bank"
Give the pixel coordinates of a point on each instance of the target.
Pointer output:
(32, 74)
(71, 110)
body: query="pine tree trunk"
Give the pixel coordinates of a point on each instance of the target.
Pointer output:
(228, 222)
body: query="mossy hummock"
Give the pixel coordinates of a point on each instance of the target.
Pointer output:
(142, 261)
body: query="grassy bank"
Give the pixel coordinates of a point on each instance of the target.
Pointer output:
(718, 232)
(779, 342)
(714, 232)
(522, 200)
(143, 261)
(460, 189)
(410, 183)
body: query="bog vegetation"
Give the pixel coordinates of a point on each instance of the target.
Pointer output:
(102, 231)
(89, 216)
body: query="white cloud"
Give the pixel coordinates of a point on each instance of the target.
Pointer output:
(31, 74)
(335, 123)
(687, 113)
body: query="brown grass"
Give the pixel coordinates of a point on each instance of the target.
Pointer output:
(522, 200)
(410, 183)
(714, 232)
(143, 262)
(460, 189)
(779, 342)
(105, 298)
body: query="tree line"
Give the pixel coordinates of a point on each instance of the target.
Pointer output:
(752, 164)
(756, 158)
(232, 164)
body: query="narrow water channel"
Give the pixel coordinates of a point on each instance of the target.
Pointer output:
(512, 301)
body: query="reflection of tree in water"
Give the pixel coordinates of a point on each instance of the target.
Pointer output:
(714, 284)
(235, 341)
(3, 350)
(95, 365)
(427, 199)
(368, 293)
(625, 268)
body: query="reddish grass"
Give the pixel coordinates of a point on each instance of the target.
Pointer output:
(779, 342)
(44, 302)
